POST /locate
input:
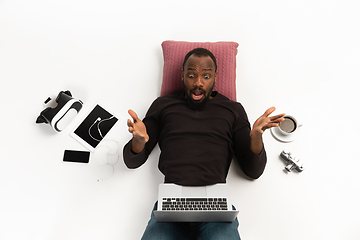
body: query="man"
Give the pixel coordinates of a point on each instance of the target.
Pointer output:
(198, 131)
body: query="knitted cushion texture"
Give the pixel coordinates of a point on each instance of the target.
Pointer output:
(174, 53)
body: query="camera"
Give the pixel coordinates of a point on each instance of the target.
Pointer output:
(292, 162)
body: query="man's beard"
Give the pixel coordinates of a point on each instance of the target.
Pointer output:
(197, 105)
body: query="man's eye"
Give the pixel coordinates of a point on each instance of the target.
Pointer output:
(206, 76)
(191, 75)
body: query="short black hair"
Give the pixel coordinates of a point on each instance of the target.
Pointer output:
(200, 52)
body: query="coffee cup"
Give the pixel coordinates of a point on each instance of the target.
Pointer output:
(289, 126)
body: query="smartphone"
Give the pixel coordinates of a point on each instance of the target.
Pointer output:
(76, 156)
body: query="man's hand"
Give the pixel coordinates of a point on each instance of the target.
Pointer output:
(261, 124)
(138, 130)
(265, 122)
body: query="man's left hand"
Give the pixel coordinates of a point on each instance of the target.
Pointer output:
(265, 122)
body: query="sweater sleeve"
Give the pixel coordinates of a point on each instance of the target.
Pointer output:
(151, 121)
(253, 165)
(133, 160)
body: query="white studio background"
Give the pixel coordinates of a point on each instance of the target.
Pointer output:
(300, 56)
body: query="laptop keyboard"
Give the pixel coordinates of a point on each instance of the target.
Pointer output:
(194, 204)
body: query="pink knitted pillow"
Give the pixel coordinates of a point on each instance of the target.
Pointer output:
(174, 54)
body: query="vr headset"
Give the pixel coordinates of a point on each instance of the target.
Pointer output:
(64, 112)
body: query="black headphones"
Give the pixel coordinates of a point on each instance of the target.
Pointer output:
(61, 115)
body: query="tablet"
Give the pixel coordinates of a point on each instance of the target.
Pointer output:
(97, 123)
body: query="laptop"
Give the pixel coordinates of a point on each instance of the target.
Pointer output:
(194, 204)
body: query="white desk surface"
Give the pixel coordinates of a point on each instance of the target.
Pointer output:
(301, 57)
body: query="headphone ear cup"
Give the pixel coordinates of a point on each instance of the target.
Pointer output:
(67, 92)
(41, 118)
(63, 97)
(58, 97)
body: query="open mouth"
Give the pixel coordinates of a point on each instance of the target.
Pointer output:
(197, 95)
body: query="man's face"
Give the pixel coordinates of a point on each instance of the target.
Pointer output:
(199, 78)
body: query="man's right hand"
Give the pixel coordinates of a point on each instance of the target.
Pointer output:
(138, 130)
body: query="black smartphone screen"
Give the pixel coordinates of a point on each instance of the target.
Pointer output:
(76, 156)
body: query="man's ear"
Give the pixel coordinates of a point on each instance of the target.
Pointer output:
(182, 74)
(216, 75)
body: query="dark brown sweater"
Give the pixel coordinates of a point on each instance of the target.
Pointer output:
(197, 146)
